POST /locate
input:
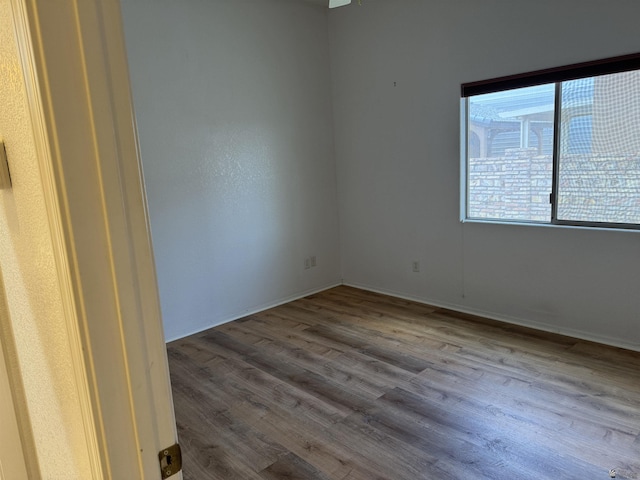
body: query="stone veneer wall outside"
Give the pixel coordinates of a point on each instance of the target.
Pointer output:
(593, 187)
(513, 187)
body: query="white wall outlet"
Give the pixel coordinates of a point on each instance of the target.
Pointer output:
(312, 259)
(415, 266)
(5, 178)
(307, 263)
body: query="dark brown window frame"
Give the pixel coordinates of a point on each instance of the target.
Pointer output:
(557, 75)
(594, 68)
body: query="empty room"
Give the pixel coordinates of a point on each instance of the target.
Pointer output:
(355, 281)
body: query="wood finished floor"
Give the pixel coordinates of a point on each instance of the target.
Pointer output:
(352, 385)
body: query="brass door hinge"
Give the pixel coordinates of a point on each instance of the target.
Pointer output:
(170, 460)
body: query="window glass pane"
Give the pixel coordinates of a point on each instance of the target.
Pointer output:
(510, 161)
(599, 155)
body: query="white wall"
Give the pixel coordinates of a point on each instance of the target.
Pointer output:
(35, 328)
(233, 104)
(397, 67)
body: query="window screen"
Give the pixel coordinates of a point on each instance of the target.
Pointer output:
(599, 155)
(556, 146)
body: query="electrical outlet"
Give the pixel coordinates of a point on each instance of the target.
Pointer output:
(312, 259)
(415, 265)
(307, 263)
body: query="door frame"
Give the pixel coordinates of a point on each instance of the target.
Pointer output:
(76, 74)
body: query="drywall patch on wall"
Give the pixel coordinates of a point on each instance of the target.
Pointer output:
(32, 292)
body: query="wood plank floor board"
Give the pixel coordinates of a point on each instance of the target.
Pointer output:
(292, 467)
(495, 436)
(364, 366)
(236, 380)
(307, 381)
(563, 377)
(353, 385)
(384, 332)
(393, 356)
(330, 447)
(216, 446)
(274, 391)
(267, 414)
(336, 371)
(304, 437)
(499, 387)
(459, 458)
(364, 312)
(555, 411)
(555, 431)
(295, 339)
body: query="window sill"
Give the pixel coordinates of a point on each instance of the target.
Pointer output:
(549, 225)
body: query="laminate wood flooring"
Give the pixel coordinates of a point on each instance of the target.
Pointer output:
(353, 385)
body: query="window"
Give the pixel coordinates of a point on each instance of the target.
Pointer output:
(559, 146)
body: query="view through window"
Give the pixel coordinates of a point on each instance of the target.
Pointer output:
(558, 152)
(510, 169)
(599, 154)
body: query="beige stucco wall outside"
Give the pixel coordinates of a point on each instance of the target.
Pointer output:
(28, 267)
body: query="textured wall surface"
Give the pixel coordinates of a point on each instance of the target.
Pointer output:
(12, 458)
(397, 67)
(233, 104)
(30, 278)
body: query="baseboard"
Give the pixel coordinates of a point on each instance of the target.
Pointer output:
(613, 342)
(257, 309)
(579, 334)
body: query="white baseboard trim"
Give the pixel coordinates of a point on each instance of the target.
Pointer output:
(257, 309)
(579, 334)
